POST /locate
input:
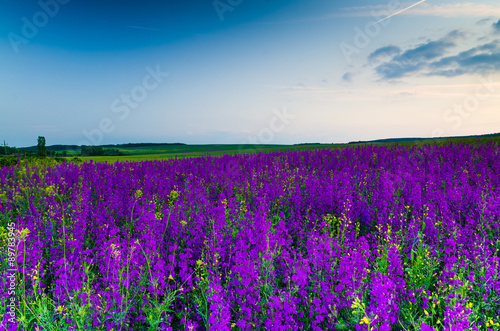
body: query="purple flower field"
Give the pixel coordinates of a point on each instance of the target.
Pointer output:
(366, 238)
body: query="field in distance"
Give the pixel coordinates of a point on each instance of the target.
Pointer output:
(145, 152)
(163, 151)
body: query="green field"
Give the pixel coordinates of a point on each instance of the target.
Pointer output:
(145, 152)
(162, 152)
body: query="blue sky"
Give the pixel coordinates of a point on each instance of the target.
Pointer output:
(240, 71)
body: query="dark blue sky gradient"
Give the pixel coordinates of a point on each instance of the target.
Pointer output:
(109, 25)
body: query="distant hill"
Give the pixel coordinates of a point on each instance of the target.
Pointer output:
(58, 148)
(395, 140)
(144, 145)
(306, 144)
(55, 148)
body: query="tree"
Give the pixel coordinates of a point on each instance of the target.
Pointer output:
(42, 151)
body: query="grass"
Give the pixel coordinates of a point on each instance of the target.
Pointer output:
(165, 152)
(148, 152)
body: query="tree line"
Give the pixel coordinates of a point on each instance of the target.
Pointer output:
(99, 151)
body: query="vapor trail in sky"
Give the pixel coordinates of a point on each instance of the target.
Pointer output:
(402, 10)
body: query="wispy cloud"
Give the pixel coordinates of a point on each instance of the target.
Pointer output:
(48, 128)
(419, 91)
(436, 58)
(385, 51)
(42, 126)
(414, 59)
(468, 9)
(401, 11)
(347, 77)
(482, 59)
(484, 21)
(143, 28)
(496, 26)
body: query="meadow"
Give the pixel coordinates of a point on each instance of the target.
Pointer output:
(397, 237)
(150, 152)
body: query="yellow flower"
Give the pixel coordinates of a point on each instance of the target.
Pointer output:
(24, 232)
(426, 313)
(366, 320)
(170, 277)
